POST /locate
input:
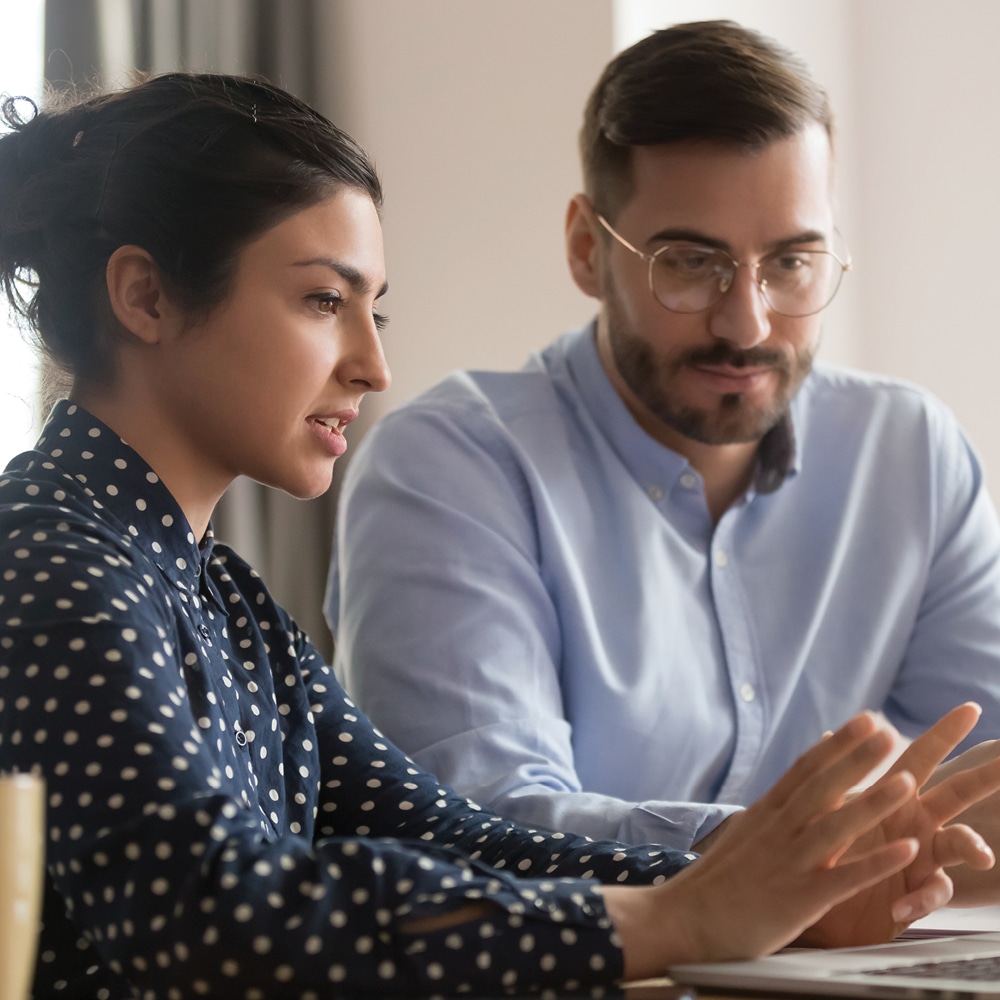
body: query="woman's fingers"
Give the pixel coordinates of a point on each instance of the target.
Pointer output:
(832, 834)
(807, 803)
(851, 877)
(823, 792)
(821, 761)
(929, 749)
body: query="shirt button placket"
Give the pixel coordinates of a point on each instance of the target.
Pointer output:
(740, 661)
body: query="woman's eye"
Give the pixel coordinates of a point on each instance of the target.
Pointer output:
(327, 304)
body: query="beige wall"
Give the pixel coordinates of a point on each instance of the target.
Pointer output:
(930, 208)
(470, 109)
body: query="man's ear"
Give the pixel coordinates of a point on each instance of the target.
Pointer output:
(136, 293)
(582, 249)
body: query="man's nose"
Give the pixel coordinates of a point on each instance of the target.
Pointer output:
(741, 316)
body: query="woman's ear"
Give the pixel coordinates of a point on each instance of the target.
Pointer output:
(136, 293)
(582, 247)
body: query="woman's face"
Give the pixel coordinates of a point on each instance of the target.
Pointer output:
(266, 384)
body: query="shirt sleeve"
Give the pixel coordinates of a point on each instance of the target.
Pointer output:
(953, 650)
(448, 635)
(160, 875)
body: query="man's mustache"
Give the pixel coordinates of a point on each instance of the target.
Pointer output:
(724, 354)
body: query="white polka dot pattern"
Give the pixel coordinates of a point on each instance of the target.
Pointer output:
(223, 821)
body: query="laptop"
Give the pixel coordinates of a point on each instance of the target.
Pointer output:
(961, 966)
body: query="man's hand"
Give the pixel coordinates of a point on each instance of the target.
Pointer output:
(974, 887)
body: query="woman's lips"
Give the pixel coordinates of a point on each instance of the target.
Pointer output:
(329, 430)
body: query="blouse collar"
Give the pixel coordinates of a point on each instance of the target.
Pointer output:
(122, 487)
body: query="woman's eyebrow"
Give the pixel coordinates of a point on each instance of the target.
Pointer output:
(358, 281)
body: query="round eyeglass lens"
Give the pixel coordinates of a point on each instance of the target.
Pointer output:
(800, 282)
(688, 279)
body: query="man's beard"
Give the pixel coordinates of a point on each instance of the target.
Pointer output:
(735, 420)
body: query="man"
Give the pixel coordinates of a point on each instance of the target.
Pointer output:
(617, 592)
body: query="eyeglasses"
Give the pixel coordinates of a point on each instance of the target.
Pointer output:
(688, 278)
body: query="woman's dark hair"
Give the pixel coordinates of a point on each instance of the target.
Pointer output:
(190, 167)
(714, 81)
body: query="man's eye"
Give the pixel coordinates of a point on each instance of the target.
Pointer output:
(693, 262)
(791, 262)
(690, 262)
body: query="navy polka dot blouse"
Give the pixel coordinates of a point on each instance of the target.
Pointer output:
(223, 821)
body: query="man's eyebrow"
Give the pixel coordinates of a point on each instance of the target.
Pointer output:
(682, 235)
(359, 282)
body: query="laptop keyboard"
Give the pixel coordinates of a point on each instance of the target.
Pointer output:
(981, 970)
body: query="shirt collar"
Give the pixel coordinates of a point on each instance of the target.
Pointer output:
(122, 487)
(646, 458)
(777, 456)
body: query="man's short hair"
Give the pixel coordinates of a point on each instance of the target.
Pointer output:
(715, 81)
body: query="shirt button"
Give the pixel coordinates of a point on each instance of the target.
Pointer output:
(654, 493)
(205, 631)
(721, 559)
(747, 692)
(688, 480)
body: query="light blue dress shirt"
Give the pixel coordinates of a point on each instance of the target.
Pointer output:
(529, 595)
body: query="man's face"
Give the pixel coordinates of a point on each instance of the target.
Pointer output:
(725, 375)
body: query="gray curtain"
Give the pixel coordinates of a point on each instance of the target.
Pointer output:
(102, 43)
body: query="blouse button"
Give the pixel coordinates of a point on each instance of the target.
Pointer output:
(654, 493)
(241, 737)
(688, 480)
(205, 631)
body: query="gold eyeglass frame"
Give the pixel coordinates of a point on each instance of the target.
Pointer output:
(724, 286)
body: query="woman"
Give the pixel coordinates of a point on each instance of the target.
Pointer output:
(204, 259)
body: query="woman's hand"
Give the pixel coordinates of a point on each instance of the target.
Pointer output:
(810, 856)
